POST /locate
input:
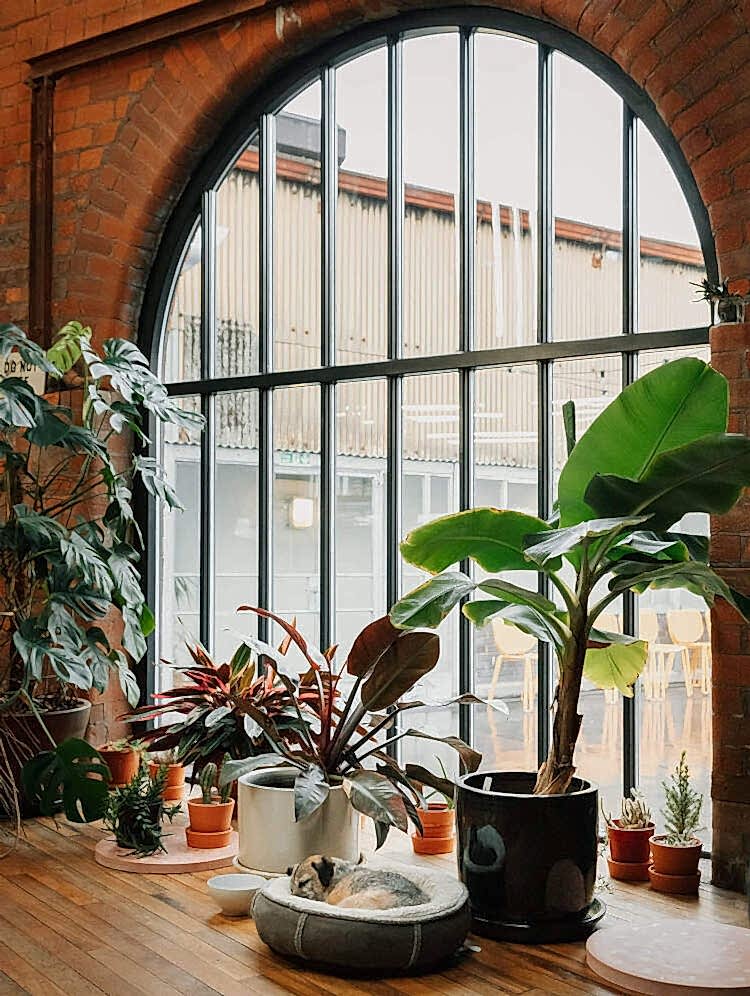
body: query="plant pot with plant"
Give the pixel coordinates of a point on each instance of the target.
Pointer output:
(332, 763)
(174, 783)
(438, 819)
(211, 815)
(528, 842)
(123, 758)
(628, 837)
(69, 541)
(676, 853)
(135, 812)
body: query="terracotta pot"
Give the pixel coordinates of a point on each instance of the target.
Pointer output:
(629, 845)
(439, 830)
(628, 871)
(205, 841)
(667, 859)
(210, 817)
(675, 885)
(122, 764)
(174, 788)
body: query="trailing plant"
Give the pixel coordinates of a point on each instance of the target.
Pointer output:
(216, 703)
(208, 782)
(69, 542)
(634, 813)
(134, 813)
(682, 806)
(341, 733)
(658, 452)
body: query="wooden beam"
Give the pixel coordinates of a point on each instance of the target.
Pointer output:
(41, 209)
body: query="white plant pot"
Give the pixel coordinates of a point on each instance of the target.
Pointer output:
(271, 841)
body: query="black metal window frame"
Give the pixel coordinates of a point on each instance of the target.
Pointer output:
(197, 207)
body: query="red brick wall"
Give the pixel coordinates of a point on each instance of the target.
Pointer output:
(131, 130)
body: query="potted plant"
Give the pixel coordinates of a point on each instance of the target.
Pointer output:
(528, 842)
(676, 853)
(305, 795)
(211, 815)
(438, 819)
(730, 307)
(628, 838)
(134, 813)
(68, 536)
(174, 781)
(123, 758)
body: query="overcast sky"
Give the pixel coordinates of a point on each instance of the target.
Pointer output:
(587, 131)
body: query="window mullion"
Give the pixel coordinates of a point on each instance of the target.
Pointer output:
(467, 221)
(208, 410)
(630, 281)
(265, 364)
(329, 190)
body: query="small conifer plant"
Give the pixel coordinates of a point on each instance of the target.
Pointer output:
(682, 807)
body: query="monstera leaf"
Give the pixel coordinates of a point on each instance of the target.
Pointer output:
(72, 776)
(673, 405)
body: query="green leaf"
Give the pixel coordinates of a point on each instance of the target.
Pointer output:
(428, 604)
(491, 537)
(132, 636)
(480, 611)
(14, 339)
(65, 350)
(547, 549)
(231, 770)
(128, 681)
(74, 775)
(35, 648)
(155, 482)
(513, 594)
(545, 626)
(81, 556)
(407, 660)
(310, 792)
(707, 475)
(672, 405)
(655, 546)
(616, 664)
(691, 575)
(470, 758)
(19, 406)
(375, 796)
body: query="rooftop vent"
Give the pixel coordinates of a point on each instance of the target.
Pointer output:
(299, 136)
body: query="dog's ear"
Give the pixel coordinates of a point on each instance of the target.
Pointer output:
(324, 868)
(361, 858)
(290, 871)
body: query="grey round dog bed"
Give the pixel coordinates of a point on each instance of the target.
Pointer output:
(407, 939)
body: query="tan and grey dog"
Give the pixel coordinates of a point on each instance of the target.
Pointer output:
(343, 883)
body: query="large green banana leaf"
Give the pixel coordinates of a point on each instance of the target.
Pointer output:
(672, 405)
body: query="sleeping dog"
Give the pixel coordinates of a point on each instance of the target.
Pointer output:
(343, 883)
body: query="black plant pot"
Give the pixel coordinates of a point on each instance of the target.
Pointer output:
(528, 861)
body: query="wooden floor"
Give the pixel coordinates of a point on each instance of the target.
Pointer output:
(69, 926)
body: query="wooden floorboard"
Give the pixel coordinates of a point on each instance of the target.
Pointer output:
(69, 926)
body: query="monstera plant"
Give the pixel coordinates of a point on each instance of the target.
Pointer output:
(658, 452)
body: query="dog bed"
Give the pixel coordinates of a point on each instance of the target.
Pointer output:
(382, 942)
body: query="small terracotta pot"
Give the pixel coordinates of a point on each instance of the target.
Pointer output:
(628, 871)
(207, 841)
(123, 764)
(668, 859)
(439, 830)
(174, 787)
(629, 845)
(675, 885)
(210, 818)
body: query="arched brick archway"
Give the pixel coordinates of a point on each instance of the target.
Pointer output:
(131, 130)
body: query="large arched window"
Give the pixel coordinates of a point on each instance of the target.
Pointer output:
(397, 264)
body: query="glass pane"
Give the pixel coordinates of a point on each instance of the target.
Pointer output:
(180, 542)
(505, 660)
(587, 260)
(362, 210)
(592, 383)
(296, 507)
(236, 523)
(431, 189)
(237, 287)
(506, 99)
(430, 489)
(181, 356)
(361, 413)
(297, 232)
(671, 257)
(675, 686)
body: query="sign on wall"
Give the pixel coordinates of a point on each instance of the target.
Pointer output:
(16, 366)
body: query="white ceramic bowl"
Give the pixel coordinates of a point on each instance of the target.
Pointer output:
(234, 893)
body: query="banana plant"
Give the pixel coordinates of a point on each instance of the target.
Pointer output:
(659, 451)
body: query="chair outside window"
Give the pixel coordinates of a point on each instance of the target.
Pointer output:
(513, 645)
(661, 656)
(691, 629)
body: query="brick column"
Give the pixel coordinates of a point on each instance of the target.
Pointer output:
(730, 554)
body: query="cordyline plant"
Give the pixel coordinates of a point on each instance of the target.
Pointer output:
(341, 737)
(216, 704)
(658, 452)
